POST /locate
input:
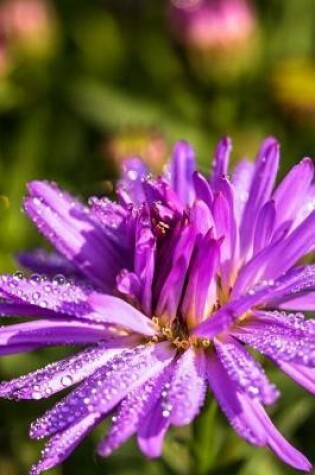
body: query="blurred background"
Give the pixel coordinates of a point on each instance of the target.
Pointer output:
(84, 84)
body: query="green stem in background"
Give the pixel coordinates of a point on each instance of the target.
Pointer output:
(203, 446)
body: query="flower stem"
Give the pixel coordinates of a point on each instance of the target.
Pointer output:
(203, 447)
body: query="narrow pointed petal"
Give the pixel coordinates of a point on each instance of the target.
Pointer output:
(249, 419)
(267, 265)
(234, 407)
(200, 294)
(145, 256)
(241, 178)
(131, 411)
(59, 295)
(264, 226)
(182, 167)
(152, 430)
(202, 189)
(108, 385)
(115, 311)
(57, 376)
(245, 372)
(299, 373)
(130, 189)
(62, 445)
(49, 333)
(278, 342)
(261, 187)
(49, 263)
(293, 189)
(221, 159)
(173, 283)
(279, 444)
(201, 217)
(74, 233)
(185, 396)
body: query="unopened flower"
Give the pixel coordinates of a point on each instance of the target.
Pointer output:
(166, 289)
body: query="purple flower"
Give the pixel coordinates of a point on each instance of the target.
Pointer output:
(166, 289)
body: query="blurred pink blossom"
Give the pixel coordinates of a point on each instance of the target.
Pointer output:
(211, 24)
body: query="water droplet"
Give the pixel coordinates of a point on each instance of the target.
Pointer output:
(66, 380)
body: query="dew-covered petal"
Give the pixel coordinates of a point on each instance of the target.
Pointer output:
(72, 230)
(152, 430)
(301, 326)
(59, 294)
(181, 171)
(49, 332)
(249, 419)
(244, 371)
(278, 341)
(14, 309)
(103, 390)
(116, 220)
(130, 189)
(49, 263)
(62, 374)
(301, 374)
(304, 302)
(115, 311)
(267, 265)
(233, 404)
(221, 160)
(62, 444)
(264, 226)
(292, 191)
(261, 187)
(184, 398)
(277, 443)
(131, 411)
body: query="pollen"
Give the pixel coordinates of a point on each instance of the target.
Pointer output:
(177, 337)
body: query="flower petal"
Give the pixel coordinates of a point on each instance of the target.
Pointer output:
(42, 333)
(187, 389)
(278, 342)
(115, 311)
(62, 374)
(59, 295)
(182, 167)
(264, 226)
(72, 230)
(131, 411)
(103, 390)
(50, 263)
(302, 375)
(234, 407)
(221, 159)
(62, 445)
(243, 370)
(261, 187)
(293, 190)
(152, 430)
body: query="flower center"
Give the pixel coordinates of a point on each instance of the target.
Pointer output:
(178, 336)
